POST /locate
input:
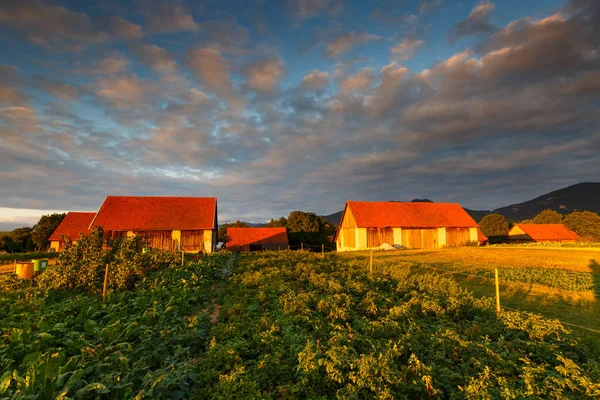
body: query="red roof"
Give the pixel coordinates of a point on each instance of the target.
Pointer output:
(73, 225)
(548, 232)
(481, 238)
(410, 215)
(136, 213)
(239, 237)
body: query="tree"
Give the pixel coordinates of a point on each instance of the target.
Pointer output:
(20, 238)
(494, 227)
(6, 244)
(223, 229)
(548, 217)
(44, 228)
(277, 223)
(586, 224)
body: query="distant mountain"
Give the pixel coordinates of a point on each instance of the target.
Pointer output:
(334, 218)
(477, 214)
(580, 197)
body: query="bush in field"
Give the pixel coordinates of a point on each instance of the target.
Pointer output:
(82, 264)
(494, 227)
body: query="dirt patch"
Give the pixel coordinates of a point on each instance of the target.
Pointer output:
(214, 316)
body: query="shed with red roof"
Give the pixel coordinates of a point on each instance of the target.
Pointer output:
(168, 223)
(256, 239)
(367, 225)
(72, 226)
(541, 233)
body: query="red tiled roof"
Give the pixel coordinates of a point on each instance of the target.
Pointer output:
(410, 215)
(73, 225)
(132, 213)
(548, 232)
(481, 238)
(239, 237)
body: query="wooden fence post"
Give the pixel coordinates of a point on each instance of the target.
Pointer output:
(105, 281)
(301, 245)
(371, 263)
(182, 258)
(288, 247)
(322, 251)
(497, 291)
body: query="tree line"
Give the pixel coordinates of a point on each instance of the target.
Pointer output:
(302, 227)
(586, 224)
(28, 239)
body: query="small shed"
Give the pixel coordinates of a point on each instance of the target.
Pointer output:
(257, 239)
(367, 225)
(72, 226)
(521, 233)
(167, 223)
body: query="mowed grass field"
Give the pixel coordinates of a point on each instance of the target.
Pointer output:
(561, 283)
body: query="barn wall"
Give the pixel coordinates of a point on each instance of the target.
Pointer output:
(442, 237)
(420, 238)
(458, 236)
(208, 241)
(192, 240)
(347, 236)
(176, 236)
(361, 238)
(378, 236)
(517, 234)
(55, 244)
(398, 236)
(473, 234)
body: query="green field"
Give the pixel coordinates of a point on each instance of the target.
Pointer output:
(559, 283)
(282, 325)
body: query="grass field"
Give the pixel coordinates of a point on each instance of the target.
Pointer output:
(562, 283)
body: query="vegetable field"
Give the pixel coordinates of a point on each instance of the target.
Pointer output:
(282, 325)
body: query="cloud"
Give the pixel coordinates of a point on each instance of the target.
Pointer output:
(344, 42)
(57, 89)
(476, 23)
(359, 82)
(51, 26)
(123, 91)
(428, 6)
(125, 29)
(264, 75)
(406, 49)
(169, 17)
(10, 79)
(305, 9)
(212, 70)
(156, 57)
(315, 80)
(111, 65)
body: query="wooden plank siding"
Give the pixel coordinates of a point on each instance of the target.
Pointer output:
(378, 236)
(457, 236)
(420, 238)
(157, 239)
(192, 240)
(348, 229)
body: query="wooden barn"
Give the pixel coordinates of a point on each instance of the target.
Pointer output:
(72, 226)
(257, 239)
(169, 223)
(367, 225)
(521, 233)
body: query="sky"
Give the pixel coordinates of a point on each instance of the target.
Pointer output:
(296, 104)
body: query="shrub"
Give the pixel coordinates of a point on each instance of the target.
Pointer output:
(82, 264)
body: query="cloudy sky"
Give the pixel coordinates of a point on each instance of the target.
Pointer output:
(299, 104)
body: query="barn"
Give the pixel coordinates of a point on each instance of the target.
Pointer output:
(366, 225)
(520, 233)
(72, 226)
(257, 239)
(168, 223)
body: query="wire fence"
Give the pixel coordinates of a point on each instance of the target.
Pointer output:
(492, 282)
